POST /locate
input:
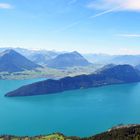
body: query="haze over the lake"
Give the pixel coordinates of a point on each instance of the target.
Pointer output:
(91, 26)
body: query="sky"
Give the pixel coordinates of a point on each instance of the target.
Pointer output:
(87, 26)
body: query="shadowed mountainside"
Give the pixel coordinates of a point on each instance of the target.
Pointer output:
(68, 60)
(11, 61)
(111, 75)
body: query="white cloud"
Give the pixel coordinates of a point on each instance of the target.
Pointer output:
(109, 6)
(5, 6)
(129, 35)
(125, 5)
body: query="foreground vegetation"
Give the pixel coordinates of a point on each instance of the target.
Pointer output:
(129, 132)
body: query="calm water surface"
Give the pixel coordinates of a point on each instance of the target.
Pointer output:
(80, 112)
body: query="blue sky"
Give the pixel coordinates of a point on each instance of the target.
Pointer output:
(88, 26)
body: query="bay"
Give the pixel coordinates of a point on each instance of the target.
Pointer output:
(81, 112)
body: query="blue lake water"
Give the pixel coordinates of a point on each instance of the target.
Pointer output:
(80, 112)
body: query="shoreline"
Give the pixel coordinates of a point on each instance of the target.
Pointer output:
(120, 132)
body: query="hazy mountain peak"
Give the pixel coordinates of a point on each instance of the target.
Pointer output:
(65, 60)
(8, 51)
(12, 61)
(75, 52)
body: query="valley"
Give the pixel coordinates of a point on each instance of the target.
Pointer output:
(49, 73)
(27, 64)
(60, 112)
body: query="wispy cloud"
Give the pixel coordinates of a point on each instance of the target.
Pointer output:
(5, 6)
(67, 27)
(129, 35)
(104, 12)
(90, 17)
(106, 7)
(125, 5)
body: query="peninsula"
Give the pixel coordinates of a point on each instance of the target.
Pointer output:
(117, 74)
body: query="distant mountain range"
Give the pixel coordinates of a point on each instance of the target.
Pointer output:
(98, 58)
(67, 60)
(126, 59)
(114, 59)
(11, 61)
(43, 56)
(37, 56)
(53, 59)
(117, 74)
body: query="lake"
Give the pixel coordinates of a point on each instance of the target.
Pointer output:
(80, 112)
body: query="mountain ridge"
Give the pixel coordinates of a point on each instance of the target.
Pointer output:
(68, 60)
(115, 75)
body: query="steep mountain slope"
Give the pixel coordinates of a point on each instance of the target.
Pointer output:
(40, 57)
(11, 61)
(37, 56)
(128, 132)
(114, 75)
(68, 60)
(137, 67)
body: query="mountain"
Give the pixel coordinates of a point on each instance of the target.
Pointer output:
(115, 75)
(99, 58)
(68, 60)
(37, 56)
(127, 132)
(25, 52)
(105, 67)
(42, 57)
(137, 67)
(126, 59)
(114, 59)
(11, 61)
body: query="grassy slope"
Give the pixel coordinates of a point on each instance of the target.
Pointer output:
(120, 133)
(49, 137)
